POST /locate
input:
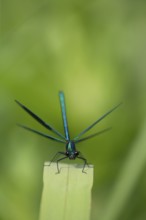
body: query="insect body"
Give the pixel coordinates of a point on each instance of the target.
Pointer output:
(71, 151)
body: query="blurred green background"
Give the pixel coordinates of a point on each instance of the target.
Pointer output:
(95, 52)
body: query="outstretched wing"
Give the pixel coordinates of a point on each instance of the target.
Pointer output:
(92, 135)
(41, 134)
(97, 121)
(38, 119)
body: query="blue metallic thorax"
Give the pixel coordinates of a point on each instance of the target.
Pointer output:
(71, 151)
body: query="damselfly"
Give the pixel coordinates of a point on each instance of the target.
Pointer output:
(71, 152)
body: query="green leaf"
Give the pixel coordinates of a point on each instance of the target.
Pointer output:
(67, 195)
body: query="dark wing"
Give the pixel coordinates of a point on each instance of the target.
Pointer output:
(41, 134)
(97, 121)
(38, 119)
(92, 135)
